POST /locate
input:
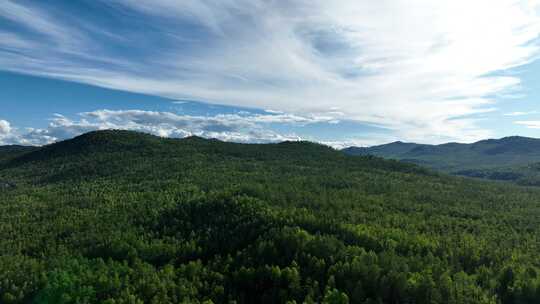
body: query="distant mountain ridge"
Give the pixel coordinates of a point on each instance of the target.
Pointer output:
(508, 158)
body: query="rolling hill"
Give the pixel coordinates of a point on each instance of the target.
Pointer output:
(124, 217)
(14, 150)
(511, 158)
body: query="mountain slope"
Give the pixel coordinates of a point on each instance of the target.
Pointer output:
(14, 151)
(125, 217)
(493, 155)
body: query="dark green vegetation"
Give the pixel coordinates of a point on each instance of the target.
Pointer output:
(515, 159)
(123, 217)
(8, 152)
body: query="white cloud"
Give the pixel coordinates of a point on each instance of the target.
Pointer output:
(368, 141)
(5, 127)
(530, 124)
(6, 132)
(252, 128)
(518, 113)
(420, 68)
(243, 127)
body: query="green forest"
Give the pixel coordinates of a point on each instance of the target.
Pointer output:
(125, 217)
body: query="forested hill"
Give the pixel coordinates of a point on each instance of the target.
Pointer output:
(510, 158)
(125, 217)
(13, 151)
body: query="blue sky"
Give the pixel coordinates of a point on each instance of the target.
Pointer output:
(347, 73)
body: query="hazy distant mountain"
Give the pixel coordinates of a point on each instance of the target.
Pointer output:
(509, 158)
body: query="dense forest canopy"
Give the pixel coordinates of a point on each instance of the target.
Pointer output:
(123, 217)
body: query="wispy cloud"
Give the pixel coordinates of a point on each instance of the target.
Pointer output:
(39, 22)
(521, 113)
(531, 124)
(420, 68)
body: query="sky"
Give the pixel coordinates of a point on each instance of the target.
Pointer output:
(343, 73)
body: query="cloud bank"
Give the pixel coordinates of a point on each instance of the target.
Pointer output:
(241, 127)
(421, 68)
